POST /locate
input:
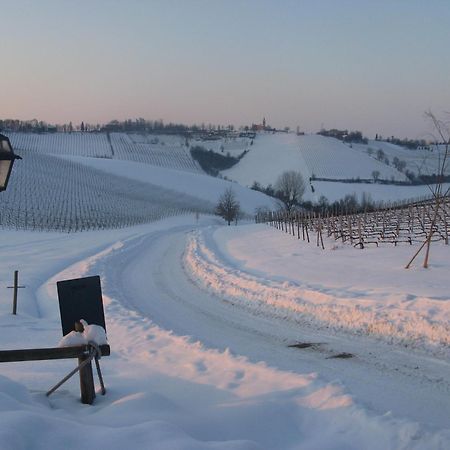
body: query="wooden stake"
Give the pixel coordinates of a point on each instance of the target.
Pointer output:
(15, 287)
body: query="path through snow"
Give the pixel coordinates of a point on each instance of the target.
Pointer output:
(192, 370)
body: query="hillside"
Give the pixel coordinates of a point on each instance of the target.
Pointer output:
(420, 161)
(327, 158)
(73, 182)
(162, 151)
(268, 155)
(220, 336)
(312, 155)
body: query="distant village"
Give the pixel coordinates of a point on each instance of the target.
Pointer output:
(205, 132)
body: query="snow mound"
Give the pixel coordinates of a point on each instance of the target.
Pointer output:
(91, 333)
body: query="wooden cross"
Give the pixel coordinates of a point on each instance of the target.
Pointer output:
(15, 287)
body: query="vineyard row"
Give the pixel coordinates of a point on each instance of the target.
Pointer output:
(397, 224)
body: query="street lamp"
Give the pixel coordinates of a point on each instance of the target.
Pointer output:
(7, 158)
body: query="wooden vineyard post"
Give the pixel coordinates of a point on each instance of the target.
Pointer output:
(319, 234)
(341, 223)
(361, 244)
(86, 382)
(306, 227)
(16, 287)
(317, 221)
(411, 220)
(445, 223)
(350, 228)
(443, 218)
(335, 234)
(87, 387)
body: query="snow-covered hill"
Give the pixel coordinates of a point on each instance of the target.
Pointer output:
(268, 156)
(316, 156)
(201, 318)
(312, 155)
(162, 151)
(74, 193)
(420, 162)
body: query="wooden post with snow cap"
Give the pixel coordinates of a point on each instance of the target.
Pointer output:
(77, 298)
(82, 299)
(87, 387)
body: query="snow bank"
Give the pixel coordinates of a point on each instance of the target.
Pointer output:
(357, 304)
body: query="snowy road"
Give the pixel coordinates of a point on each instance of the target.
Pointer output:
(148, 275)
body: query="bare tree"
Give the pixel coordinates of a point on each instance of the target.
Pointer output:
(228, 206)
(442, 129)
(375, 175)
(290, 188)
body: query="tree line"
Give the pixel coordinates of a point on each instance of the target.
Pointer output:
(212, 162)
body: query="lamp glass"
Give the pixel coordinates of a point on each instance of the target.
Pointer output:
(5, 169)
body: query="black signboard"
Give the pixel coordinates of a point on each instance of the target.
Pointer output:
(80, 298)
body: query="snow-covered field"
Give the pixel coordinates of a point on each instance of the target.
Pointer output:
(74, 193)
(157, 150)
(323, 157)
(312, 155)
(51, 193)
(378, 192)
(268, 156)
(420, 161)
(200, 319)
(222, 337)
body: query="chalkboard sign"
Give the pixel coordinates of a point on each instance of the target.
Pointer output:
(80, 298)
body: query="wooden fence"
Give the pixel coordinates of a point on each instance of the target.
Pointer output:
(392, 224)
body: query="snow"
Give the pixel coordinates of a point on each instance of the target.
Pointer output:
(419, 161)
(192, 368)
(203, 319)
(378, 192)
(201, 186)
(385, 301)
(311, 155)
(91, 333)
(163, 151)
(167, 158)
(272, 154)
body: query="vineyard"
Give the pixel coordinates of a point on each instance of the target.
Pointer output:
(53, 194)
(313, 156)
(395, 224)
(162, 151)
(419, 162)
(150, 150)
(328, 158)
(75, 144)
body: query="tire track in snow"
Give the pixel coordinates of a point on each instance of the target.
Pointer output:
(304, 306)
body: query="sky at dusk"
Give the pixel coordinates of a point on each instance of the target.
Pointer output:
(375, 66)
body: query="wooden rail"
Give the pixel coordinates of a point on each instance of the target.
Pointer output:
(42, 354)
(82, 352)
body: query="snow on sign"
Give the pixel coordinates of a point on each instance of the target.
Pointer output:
(80, 298)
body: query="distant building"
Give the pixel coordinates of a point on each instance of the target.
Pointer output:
(261, 126)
